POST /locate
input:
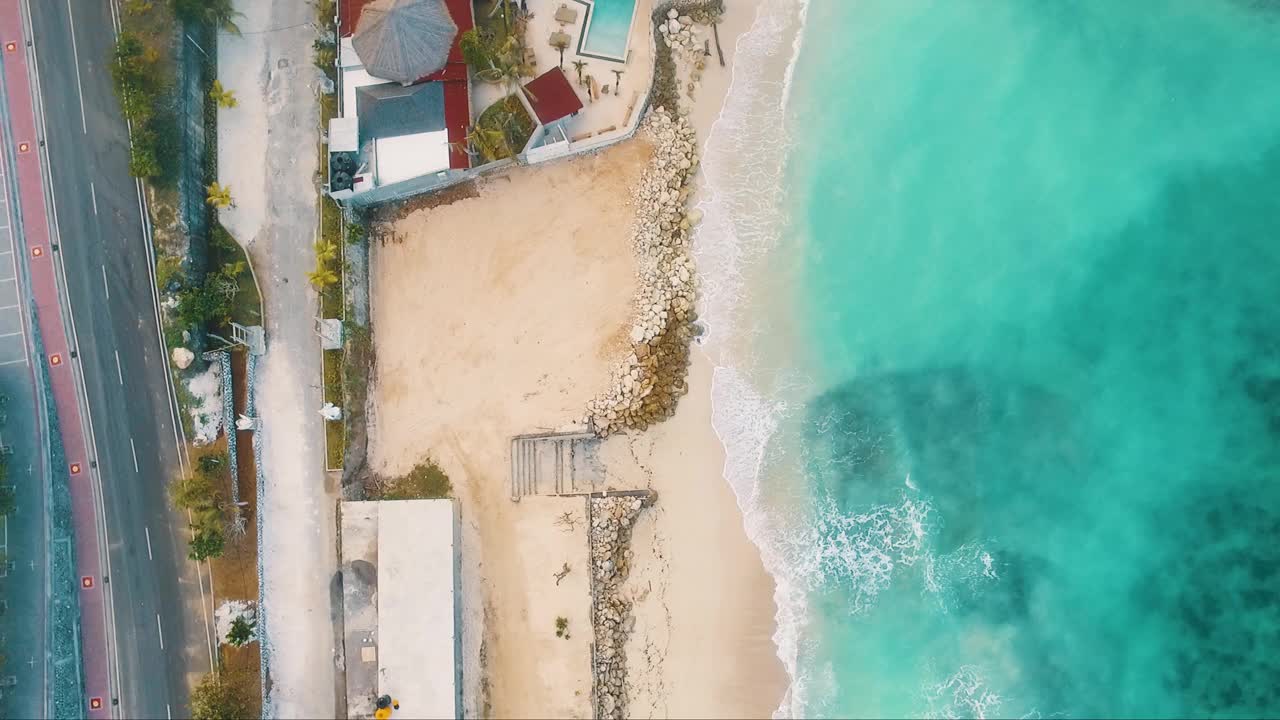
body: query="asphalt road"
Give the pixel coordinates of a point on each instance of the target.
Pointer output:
(161, 638)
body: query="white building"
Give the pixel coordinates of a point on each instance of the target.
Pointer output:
(402, 631)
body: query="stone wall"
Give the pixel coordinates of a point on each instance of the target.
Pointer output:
(611, 521)
(646, 385)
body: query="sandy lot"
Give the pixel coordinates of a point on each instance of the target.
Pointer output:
(498, 315)
(503, 314)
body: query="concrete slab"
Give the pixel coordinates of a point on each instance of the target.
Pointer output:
(400, 606)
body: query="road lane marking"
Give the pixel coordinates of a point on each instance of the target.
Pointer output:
(105, 286)
(167, 712)
(5, 335)
(134, 450)
(109, 610)
(13, 362)
(160, 629)
(9, 307)
(147, 530)
(119, 374)
(75, 53)
(93, 194)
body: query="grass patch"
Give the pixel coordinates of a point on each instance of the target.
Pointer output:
(335, 438)
(426, 481)
(334, 431)
(202, 493)
(232, 263)
(503, 129)
(328, 274)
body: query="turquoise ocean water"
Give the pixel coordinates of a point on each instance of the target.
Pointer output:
(1024, 449)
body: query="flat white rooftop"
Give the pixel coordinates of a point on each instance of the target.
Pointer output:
(416, 640)
(408, 156)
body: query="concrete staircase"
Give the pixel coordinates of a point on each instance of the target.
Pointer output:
(553, 464)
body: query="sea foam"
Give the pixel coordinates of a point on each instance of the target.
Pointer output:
(743, 165)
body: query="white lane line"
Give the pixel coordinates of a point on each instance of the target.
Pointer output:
(119, 374)
(134, 450)
(13, 362)
(75, 53)
(9, 307)
(160, 629)
(105, 286)
(167, 712)
(5, 335)
(147, 530)
(93, 194)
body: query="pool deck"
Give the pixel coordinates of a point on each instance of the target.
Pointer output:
(606, 116)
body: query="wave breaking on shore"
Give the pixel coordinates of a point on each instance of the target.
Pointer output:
(743, 216)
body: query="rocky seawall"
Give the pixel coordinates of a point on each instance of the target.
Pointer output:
(647, 383)
(611, 521)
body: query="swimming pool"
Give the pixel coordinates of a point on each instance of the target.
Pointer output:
(608, 29)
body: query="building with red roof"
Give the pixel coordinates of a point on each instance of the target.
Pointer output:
(552, 97)
(420, 130)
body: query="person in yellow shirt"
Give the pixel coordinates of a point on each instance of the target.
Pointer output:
(386, 705)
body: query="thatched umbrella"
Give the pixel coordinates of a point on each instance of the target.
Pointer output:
(404, 40)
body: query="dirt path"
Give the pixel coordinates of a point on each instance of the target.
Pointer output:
(267, 155)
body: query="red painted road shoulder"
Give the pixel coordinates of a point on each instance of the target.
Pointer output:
(34, 235)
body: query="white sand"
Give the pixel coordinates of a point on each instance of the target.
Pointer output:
(504, 314)
(501, 315)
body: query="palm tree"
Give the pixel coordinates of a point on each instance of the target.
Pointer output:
(220, 14)
(220, 196)
(224, 97)
(323, 277)
(579, 65)
(491, 143)
(618, 85)
(560, 44)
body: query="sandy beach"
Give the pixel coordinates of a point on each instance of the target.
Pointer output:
(504, 312)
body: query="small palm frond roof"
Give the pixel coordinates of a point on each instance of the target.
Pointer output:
(404, 40)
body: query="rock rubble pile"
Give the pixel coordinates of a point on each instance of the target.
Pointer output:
(611, 521)
(646, 385)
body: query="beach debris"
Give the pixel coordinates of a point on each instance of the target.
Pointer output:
(331, 412)
(563, 572)
(647, 383)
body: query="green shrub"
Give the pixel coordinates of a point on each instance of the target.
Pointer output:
(241, 632)
(427, 480)
(206, 544)
(168, 271)
(201, 305)
(222, 695)
(476, 51)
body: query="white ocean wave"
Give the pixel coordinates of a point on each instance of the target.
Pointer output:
(964, 694)
(743, 164)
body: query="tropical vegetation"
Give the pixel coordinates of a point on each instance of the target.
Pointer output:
(502, 130)
(223, 695)
(197, 493)
(241, 631)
